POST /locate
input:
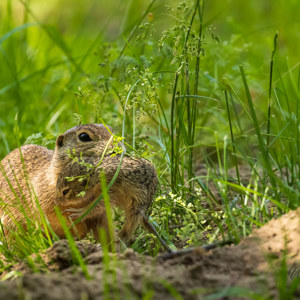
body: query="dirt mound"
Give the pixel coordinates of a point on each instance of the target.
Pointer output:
(250, 267)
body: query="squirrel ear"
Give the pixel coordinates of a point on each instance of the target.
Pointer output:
(60, 141)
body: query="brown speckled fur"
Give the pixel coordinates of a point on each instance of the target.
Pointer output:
(43, 171)
(133, 190)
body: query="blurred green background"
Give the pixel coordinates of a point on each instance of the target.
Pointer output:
(49, 48)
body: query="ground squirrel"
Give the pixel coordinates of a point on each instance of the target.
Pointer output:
(36, 171)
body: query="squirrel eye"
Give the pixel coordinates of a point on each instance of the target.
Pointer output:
(84, 137)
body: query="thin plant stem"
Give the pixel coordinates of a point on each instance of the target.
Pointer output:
(232, 138)
(270, 89)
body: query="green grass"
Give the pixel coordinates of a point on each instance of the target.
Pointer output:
(196, 83)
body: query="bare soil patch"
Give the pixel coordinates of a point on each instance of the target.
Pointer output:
(252, 265)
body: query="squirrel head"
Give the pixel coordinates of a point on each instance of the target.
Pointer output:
(84, 140)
